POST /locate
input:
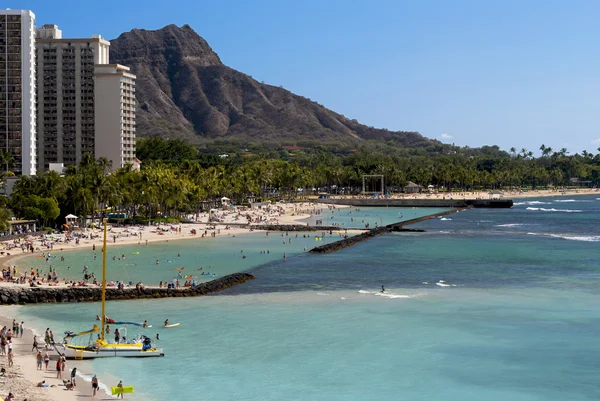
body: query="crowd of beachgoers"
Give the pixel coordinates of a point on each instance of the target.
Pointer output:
(20, 373)
(24, 381)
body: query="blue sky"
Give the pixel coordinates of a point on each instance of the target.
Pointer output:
(511, 73)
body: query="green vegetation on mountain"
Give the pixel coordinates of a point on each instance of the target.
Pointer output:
(184, 91)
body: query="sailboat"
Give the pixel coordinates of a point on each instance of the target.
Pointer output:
(140, 346)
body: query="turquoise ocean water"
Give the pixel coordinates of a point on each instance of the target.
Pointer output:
(486, 305)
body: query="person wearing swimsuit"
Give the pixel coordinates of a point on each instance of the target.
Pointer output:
(94, 385)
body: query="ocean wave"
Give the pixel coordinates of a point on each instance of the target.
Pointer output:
(570, 237)
(101, 386)
(384, 294)
(391, 296)
(510, 225)
(445, 219)
(443, 283)
(531, 203)
(584, 238)
(553, 210)
(571, 200)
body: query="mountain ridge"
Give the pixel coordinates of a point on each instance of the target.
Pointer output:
(184, 91)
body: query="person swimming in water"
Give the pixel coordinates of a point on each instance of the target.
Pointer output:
(382, 289)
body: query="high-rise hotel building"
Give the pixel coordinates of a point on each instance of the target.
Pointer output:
(65, 95)
(18, 90)
(60, 98)
(115, 114)
(85, 104)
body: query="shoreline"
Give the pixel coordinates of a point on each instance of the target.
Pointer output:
(24, 376)
(510, 194)
(289, 215)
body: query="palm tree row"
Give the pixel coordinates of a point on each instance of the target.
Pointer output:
(169, 189)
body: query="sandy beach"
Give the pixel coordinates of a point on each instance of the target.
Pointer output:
(506, 194)
(230, 222)
(22, 378)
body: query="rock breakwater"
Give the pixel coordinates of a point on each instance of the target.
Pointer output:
(346, 242)
(34, 295)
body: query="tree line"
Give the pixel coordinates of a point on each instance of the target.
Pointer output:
(177, 179)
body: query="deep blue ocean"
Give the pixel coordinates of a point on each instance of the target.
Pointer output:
(486, 305)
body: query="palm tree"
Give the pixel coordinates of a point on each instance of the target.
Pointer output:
(5, 216)
(6, 159)
(524, 153)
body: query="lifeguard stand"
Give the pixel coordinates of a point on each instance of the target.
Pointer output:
(71, 220)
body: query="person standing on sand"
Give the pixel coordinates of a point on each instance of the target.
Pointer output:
(59, 368)
(22, 328)
(46, 360)
(73, 376)
(40, 359)
(120, 385)
(94, 385)
(35, 344)
(10, 358)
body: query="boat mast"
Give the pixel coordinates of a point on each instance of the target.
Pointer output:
(103, 279)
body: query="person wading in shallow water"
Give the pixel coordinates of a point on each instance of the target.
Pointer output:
(382, 289)
(94, 385)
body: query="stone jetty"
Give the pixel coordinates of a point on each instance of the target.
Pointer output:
(33, 295)
(346, 242)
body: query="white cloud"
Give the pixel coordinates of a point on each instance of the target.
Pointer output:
(445, 137)
(596, 141)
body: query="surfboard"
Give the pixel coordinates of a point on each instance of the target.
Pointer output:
(171, 325)
(121, 390)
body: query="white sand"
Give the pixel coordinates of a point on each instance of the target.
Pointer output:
(506, 194)
(23, 377)
(279, 213)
